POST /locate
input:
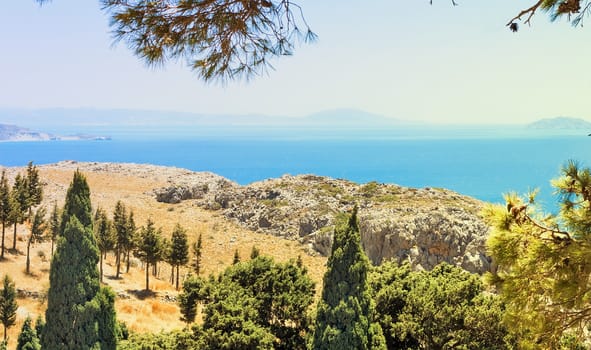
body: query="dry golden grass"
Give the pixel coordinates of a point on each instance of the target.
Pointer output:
(221, 238)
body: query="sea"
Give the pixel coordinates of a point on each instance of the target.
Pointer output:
(483, 162)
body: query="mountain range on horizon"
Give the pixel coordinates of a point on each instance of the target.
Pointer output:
(46, 124)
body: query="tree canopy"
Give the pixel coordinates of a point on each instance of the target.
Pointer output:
(543, 272)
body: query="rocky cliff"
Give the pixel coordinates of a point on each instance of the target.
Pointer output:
(422, 226)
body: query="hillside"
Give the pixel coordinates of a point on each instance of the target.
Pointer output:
(16, 133)
(286, 217)
(563, 123)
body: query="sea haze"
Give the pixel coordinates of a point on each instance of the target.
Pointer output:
(483, 162)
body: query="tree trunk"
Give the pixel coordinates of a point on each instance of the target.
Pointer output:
(147, 276)
(14, 238)
(127, 267)
(171, 274)
(101, 267)
(5, 335)
(177, 277)
(3, 232)
(28, 257)
(117, 262)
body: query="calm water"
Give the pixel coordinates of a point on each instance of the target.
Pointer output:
(481, 167)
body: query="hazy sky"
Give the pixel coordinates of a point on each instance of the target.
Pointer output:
(403, 59)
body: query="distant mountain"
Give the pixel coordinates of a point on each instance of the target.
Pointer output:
(10, 132)
(560, 123)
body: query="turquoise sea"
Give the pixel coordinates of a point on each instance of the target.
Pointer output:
(484, 165)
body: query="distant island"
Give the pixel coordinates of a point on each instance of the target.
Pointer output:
(560, 123)
(10, 132)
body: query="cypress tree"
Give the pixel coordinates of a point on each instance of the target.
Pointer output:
(121, 226)
(179, 250)
(5, 207)
(8, 304)
(54, 225)
(74, 307)
(38, 228)
(105, 239)
(27, 339)
(19, 204)
(345, 312)
(198, 249)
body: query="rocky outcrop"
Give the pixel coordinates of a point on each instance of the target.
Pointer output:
(422, 226)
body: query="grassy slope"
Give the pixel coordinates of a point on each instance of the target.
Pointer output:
(220, 239)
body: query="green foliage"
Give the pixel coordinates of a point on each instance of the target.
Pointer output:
(8, 304)
(103, 233)
(76, 307)
(543, 274)
(38, 229)
(39, 324)
(34, 186)
(54, 225)
(440, 309)
(19, 204)
(122, 237)
(179, 250)
(256, 304)
(5, 208)
(345, 313)
(150, 248)
(221, 40)
(236, 258)
(198, 251)
(176, 340)
(27, 339)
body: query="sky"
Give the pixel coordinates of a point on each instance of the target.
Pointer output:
(401, 59)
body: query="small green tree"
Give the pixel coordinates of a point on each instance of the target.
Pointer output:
(149, 248)
(236, 258)
(131, 242)
(198, 251)
(27, 339)
(5, 207)
(54, 225)
(19, 204)
(121, 227)
(8, 304)
(345, 315)
(39, 324)
(105, 240)
(34, 188)
(179, 250)
(192, 293)
(38, 229)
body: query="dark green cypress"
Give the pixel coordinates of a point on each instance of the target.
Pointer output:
(27, 339)
(345, 312)
(74, 311)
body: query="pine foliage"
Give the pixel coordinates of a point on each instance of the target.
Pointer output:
(543, 272)
(5, 208)
(150, 248)
(8, 304)
(179, 250)
(27, 339)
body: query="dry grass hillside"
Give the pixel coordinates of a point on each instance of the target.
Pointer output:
(133, 185)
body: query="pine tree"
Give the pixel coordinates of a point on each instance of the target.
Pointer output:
(8, 304)
(39, 324)
(121, 226)
(34, 188)
(105, 239)
(149, 248)
(236, 258)
(38, 229)
(74, 300)
(179, 252)
(131, 239)
(54, 225)
(345, 313)
(19, 204)
(5, 208)
(27, 339)
(198, 250)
